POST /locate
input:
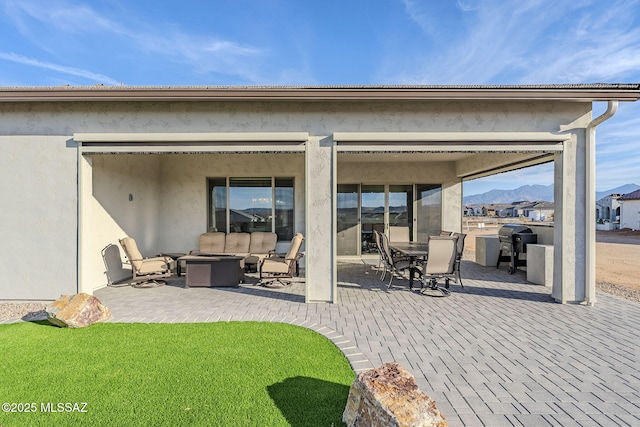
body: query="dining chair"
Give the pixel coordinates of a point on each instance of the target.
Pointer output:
(395, 264)
(460, 251)
(378, 243)
(440, 264)
(398, 234)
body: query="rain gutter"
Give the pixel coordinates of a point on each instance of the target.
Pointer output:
(590, 203)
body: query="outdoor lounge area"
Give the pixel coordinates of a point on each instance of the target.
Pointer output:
(165, 164)
(496, 352)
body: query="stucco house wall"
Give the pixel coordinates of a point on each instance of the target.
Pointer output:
(81, 202)
(608, 207)
(630, 214)
(38, 253)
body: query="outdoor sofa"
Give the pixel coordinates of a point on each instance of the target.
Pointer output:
(254, 247)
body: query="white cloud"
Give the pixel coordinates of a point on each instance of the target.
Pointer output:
(528, 41)
(466, 6)
(202, 54)
(7, 56)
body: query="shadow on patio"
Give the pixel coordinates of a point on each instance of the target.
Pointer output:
(477, 280)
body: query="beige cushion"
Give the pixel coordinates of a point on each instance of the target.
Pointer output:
(278, 265)
(294, 249)
(237, 243)
(398, 234)
(132, 252)
(442, 255)
(275, 266)
(262, 242)
(212, 243)
(153, 265)
(139, 264)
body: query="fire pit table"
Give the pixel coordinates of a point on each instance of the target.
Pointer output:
(213, 271)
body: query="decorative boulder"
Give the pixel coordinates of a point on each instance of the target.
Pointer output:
(388, 396)
(76, 311)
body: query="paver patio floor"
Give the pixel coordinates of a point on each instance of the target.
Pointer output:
(497, 353)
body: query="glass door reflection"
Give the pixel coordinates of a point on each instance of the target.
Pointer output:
(347, 210)
(428, 211)
(373, 214)
(400, 213)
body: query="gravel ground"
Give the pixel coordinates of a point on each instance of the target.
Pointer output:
(625, 292)
(22, 310)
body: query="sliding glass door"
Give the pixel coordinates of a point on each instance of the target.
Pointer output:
(348, 214)
(373, 214)
(428, 211)
(411, 210)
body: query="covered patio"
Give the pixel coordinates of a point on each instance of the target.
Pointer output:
(498, 352)
(147, 162)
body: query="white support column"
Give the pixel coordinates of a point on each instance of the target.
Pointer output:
(569, 238)
(85, 186)
(590, 217)
(320, 188)
(557, 291)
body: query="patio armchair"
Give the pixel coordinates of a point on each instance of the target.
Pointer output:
(440, 265)
(145, 271)
(279, 269)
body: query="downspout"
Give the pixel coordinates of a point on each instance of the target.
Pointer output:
(590, 202)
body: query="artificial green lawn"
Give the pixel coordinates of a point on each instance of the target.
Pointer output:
(209, 374)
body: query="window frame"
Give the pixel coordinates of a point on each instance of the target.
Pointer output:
(288, 182)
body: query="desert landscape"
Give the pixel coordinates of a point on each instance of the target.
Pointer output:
(617, 258)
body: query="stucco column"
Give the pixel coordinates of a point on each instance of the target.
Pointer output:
(452, 206)
(569, 221)
(85, 187)
(320, 234)
(558, 236)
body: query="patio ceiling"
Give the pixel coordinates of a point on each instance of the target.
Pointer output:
(474, 154)
(493, 162)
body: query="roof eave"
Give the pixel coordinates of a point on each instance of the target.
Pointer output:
(345, 93)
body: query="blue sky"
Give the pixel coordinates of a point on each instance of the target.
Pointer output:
(335, 42)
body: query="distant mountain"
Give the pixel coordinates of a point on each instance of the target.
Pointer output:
(529, 193)
(532, 193)
(623, 189)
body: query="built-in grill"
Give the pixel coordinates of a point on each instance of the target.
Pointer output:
(513, 242)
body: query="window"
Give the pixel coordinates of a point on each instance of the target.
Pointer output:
(251, 204)
(283, 207)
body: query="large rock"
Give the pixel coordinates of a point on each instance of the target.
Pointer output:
(77, 311)
(389, 396)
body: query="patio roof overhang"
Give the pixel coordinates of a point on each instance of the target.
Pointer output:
(502, 151)
(191, 142)
(558, 92)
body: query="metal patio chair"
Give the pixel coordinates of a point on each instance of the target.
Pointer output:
(146, 271)
(440, 265)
